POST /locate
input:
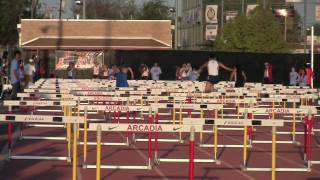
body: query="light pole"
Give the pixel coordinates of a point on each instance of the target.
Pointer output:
(312, 54)
(83, 3)
(284, 13)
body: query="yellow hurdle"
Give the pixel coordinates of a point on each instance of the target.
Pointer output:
(273, 161)
(180, 122)
(215, 135)
(85, 135)
(201, 133)
(74, 164)
(98, 163)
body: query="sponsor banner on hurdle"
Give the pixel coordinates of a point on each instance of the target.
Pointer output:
(187, 106)
(279, 110)
(41, 119)
(143, 128)
(234, 122)
(46, 96)
(228, 101)
(112, 108)
(47, 91)
(39, 103)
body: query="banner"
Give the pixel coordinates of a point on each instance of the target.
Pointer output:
(317, 18)
(294, 1)
(231, 15)
(211, 14)
(82, 59)
(251, 7)
(211, 32)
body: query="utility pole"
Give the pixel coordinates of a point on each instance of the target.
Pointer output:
(222, 13)
(60, 9)
(304, 34)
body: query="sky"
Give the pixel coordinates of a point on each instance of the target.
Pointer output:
(171, 3)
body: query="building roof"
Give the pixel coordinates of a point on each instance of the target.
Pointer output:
(95, 34)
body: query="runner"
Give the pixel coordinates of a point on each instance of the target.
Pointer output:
(294, 76)
(213, 72)
(238, 76)
(155, 72)
(122, 77)
(267, 74)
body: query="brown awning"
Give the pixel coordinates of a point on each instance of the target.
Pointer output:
(94, 43)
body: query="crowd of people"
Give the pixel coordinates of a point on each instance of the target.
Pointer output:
(22, 73)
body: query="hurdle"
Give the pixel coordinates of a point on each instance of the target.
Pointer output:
(11, 103)
(139, 128)
(37, 119)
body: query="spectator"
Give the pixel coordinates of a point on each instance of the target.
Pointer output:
(238, 76)
(96, 70)
(71, 70)
(185, 72)
(42, 70)
(21, 75)
(112, 72)
(294, 76)
(267, 74)
(144, 70)
(104, 72)
(14, 75)
(29, 71)
(194, 75)
(178, 75)
(302, 80)
(155, 72)
(309, 74)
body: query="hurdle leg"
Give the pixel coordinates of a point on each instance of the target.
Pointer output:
(156, 144)
(191, 153)
(245, 139)
(201, 134)
(9, 134)
(180, 123)
(309, 137)
(85, 136)
(69, 140)
(273, 157)
(134, 121)
(98, 160)
(149, 142)
(215, 136)
(74, 159)
(127, 133)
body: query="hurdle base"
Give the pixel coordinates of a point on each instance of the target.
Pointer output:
(119, 167)
(187, 160)
(56, 158)
(46, 125)
(105, 143)
(159, 140)
(290, 133)
(43, 138)
(277, 169)
(315, 162)
(278, 142)
(224, 146)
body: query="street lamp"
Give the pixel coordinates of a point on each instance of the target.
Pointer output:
(284, 13)
(83, 4)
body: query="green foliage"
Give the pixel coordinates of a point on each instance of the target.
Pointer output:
(258, 32)
(155, 10)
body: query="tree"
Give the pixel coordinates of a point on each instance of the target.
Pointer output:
(154, 10)
(258, 32)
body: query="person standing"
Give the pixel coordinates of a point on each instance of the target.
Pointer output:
(96, 70)
(155, 72)
(144, 72)
(14, 75)
(293, 76)
(302, 80)
(104, 72)
(29, 71)
(42, 70)
(267, 74)
(213, 72)
(194, 75)
(71, 71)
(238, 76)
(309, 74)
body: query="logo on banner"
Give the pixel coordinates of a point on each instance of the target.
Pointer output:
(33, 118)
(278, 110)
(117, 108)
(144, 128)
(233, 123)
(211, 13)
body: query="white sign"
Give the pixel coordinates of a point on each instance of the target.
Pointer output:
(251, 7)
(231, 15)
(211, 32)
(211, 14)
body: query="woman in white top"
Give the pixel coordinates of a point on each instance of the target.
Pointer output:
(213, 72)
(96, 70)
(105, 72)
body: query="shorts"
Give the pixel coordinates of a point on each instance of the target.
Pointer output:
(213, 79)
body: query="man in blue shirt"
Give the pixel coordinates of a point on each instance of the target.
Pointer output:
(14, 75)
(122, 77)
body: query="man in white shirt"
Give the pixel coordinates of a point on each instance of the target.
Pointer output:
(29, 70)
(155, 72)
(213, 72)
